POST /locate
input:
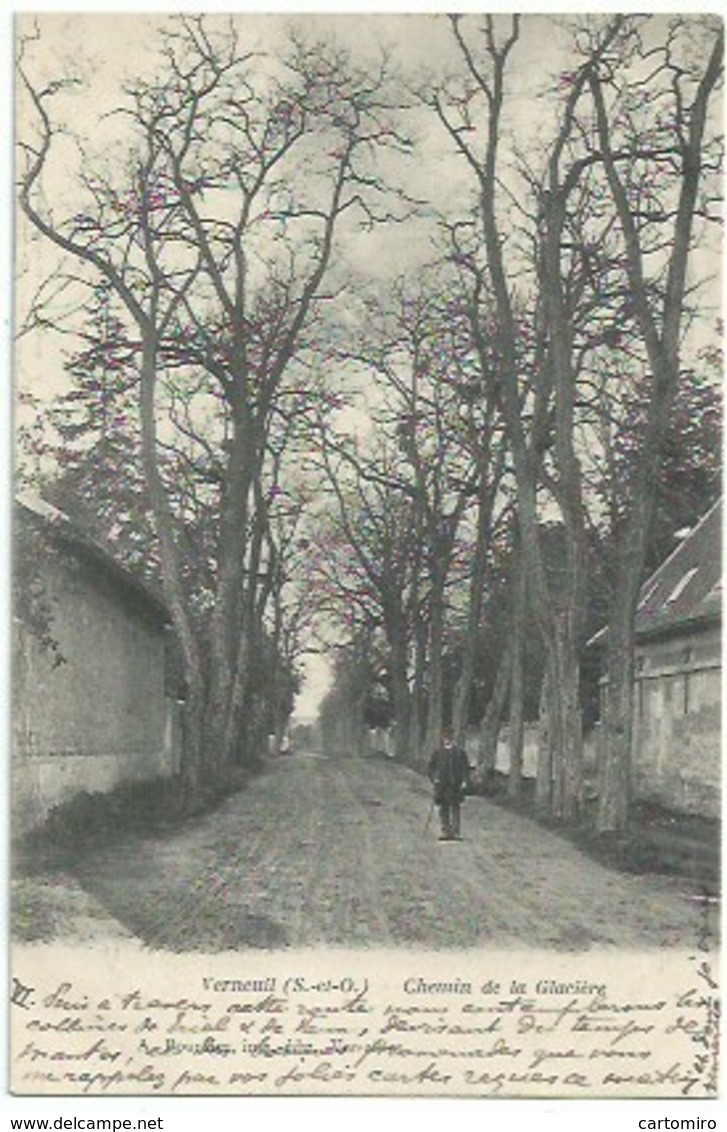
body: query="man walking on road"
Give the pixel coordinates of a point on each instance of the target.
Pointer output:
(449, 772)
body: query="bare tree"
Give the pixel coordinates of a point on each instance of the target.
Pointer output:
(369, 555)
(658, 175)
(216, 235)
(552, 234)
(416, 505)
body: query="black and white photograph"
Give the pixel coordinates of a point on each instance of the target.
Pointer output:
(366, 657)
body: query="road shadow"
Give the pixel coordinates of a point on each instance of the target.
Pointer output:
(187, 918)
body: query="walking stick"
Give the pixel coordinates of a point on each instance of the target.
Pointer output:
(429, 817)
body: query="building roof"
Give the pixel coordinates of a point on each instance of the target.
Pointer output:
(687, 587)
(686, 590)
(57, 525)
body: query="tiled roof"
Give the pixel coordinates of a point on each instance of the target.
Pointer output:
(687, 587)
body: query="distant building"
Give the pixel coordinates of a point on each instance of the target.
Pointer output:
(90, 707)
(676, 760)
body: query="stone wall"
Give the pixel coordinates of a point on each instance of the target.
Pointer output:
(530, 750)
(381, 741)
(677, 725)
(102, 715)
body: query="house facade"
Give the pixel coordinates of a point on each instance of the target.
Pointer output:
(676, 759)
(90, 707)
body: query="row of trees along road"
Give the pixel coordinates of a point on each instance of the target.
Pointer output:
(455, 474)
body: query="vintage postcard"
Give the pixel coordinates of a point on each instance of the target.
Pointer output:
(366, 643)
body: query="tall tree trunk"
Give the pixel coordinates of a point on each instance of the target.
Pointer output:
(614, 793)
(560, 769)
(194, 761)
(418, 711)
(400, 694)
(492, 719)
(227, 643)
(567, 726)
(517, 639)
(192, 764)
(566, 482)
(436, 648)
(544, 775)
(460, 711)
(614, 788)
(660, 323)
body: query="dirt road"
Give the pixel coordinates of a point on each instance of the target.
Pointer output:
(336, 851)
